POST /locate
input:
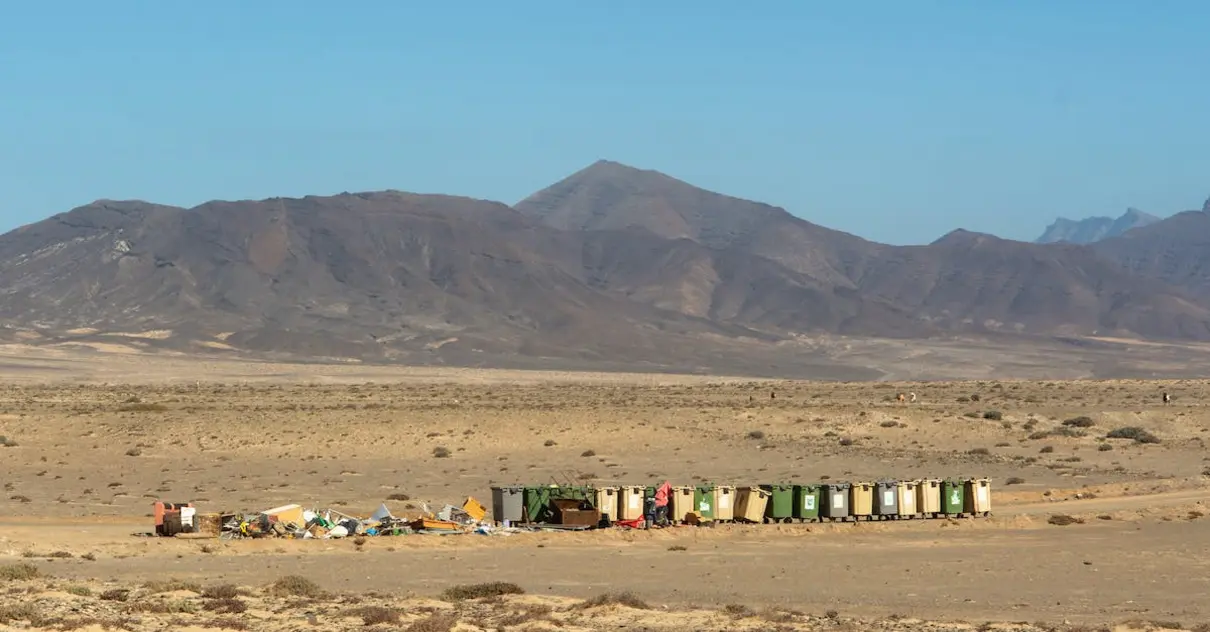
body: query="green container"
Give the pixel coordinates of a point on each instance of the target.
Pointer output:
(572, 492)
(953, 496)
(781, 502)
(703, 501)
(537, 503)
(806, 502)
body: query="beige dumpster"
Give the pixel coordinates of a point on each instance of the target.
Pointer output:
(750, 504)
(861, 503)
(724, 503)
(907, 499)
(630, 502)
(928, 497)
(607, 502)
(681, 503)
(978, 496)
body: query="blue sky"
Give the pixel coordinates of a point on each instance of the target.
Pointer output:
(897, 121)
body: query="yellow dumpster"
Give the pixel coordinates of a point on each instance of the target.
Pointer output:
(907, 500)
(750, 504)
(681, 503)
(861, 502)
(928, 497)
(978, 496)
(630, 502)
(724, 503)
(607, 502)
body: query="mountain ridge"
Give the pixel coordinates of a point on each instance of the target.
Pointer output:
(612, 264)
(1093, 229)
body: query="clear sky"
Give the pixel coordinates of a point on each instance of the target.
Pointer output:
(894, 120)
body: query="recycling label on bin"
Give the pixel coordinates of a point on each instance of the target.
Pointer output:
(888, 498)
(704, 506)
(955, 498)
(837, 501)
(808, 501)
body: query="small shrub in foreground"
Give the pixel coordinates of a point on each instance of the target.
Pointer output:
(19, 572)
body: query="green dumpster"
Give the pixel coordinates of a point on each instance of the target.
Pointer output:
(572, 492)
(781, 502)
(953, 497)
(703, 501)
(537, 503)
(806, 502)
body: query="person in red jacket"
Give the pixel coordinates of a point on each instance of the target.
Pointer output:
(662, 495)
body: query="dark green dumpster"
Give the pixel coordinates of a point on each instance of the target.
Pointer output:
(572, 492)
(781, 502)
(806, 502)
(703, 501)
(537, 503)
(953, 497)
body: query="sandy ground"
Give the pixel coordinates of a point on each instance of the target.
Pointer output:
(85, 460)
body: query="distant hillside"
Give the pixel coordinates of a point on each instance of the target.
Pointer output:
(1175, 251)
(1094, 229)
(611, 267)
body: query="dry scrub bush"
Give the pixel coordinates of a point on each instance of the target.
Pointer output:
(374, 615)
(226, 605)
(19, 572)
(21, 612)
(528, 613)
(479, 591)
(173, 585)
(434, 623)
(297, 586)
(1133, 432)
(222, 591)
(627, 599)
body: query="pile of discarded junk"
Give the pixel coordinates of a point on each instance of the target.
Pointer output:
(580, 507)
(294, 521)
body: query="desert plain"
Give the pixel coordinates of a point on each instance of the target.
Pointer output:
(1087, 532)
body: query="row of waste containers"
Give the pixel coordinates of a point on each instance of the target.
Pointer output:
(784, 502)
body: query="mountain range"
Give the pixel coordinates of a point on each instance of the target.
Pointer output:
(1094, 229)
(612, 266)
